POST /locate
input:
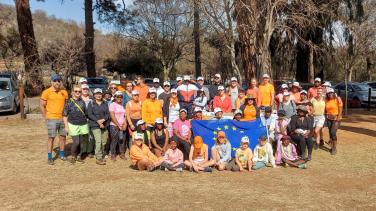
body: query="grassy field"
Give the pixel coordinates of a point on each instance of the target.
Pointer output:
(346, 181)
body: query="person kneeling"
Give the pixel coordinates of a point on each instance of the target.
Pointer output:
(263, 154)
(286, 154)
(221, 152)
(243, 157)
(141, 156)
(173, 158)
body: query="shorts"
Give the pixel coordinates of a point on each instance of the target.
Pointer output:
(76, 130)
(198, 161)
(55, 127)
(318, 121)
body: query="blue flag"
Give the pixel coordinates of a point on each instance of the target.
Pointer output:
(235, 130)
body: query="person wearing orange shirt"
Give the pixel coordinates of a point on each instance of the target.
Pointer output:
(141, 156)
(267, 92)
(253, 90)
(142, 88)
(295, 92)
(52, 104)
(333, 111)
(249, 109)
(312, 92)
(222, 100)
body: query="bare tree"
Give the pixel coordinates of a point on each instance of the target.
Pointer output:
(89, 39)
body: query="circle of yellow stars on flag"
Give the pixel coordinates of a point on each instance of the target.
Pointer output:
(225, 127)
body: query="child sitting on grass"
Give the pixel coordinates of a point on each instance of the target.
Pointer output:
(263, 154)
(286, 154)
(243, 157)
(173, 158)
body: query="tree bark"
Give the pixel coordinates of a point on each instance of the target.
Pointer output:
(33, 81)
(196, 37)
(369, 68)
(311, 69)
(89, 39)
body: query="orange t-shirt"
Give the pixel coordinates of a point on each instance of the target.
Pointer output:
(143, 90)
(250, 113)
(120, 88)
(133, 110)
(255, 92)
(296, 97)
(55, 102)
(332, 106)
(267, 94)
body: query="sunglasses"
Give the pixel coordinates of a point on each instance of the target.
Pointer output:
(166, 85)
(119, 96)
(113, 87)
(77, 91)
(58, 81)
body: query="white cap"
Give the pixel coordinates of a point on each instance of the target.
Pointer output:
(330, 90)
(217, 75)
(135, 92)
(166, 83)
(140, 122)
(187, 78)
(197, 109)
(244, 139)
(179, 78)
(318, 79)
(82, 80)
(200, 78)
(156, 80)
(118, 93)
(174, 91)
(286, 93)
(265, 76)
(221, 88)
(159, 121)
(98, 90)
(138, 136)
(234, 79)
(84, 86)
(216, 110)
(183, 110)
(296, 84)
(238, 111)
(284, 86)
(327, 83)
(303, 92)
(152, 90)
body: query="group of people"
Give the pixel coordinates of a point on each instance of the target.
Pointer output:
(154, 123)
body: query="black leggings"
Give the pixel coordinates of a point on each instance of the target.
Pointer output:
(117, 138)
(184, 146)
(332, 126)
(77, 145)
(303, 143)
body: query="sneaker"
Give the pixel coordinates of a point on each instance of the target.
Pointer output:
(50, 162)
(100, 162)
(333, 151)
(166, 169)
(63, 158)
(309, 157)
(302, 166)
(113, 157)
(208, 169)
(179, 169)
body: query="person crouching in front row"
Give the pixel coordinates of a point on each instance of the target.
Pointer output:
(141, 156)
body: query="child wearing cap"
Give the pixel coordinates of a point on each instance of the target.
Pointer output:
(243, 157)
(286, 154)
(173, 158)
(198, 156)
(238, 115)
(221, 152)
(159, 138)
(141, 156)
(263, 154)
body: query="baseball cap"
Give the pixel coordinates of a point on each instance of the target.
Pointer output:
(98, 90)
(265, 76)
(138, 136)
(198, 142)
(118, 93)
(179, 78)
(83, 80)
(135, 92)
(197, 109)
(244, 139)
(55, 77)
(268, 109)
(84, 86)
(296, 84)
(159, 121)
(216, 110)
(156, 80)
(234, 79)
(217, 75)
(284, 86)
(238, 111)
(183, 110)
(318, 79)
(200, 78)
(263, 138)
(152, 90)
(187, 78)
(166, 83)
(281, 113)
(140, 122)
(221, 88)
(221, 134)
(303, 92)
(174, 91)
(327, 83)
(330, 90)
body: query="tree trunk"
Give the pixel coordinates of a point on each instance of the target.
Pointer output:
(234, 66)
(311, 69)
(264, 61)
(302, 60)
(196, 37)
(32, 80)
(369, 68)
(89, 39)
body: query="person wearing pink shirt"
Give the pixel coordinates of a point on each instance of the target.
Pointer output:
(287, 155)
(222, 100)
(279, 96)
(173, 158)
(312, 92)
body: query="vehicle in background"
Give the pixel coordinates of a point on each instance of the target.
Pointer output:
(357, 93)
(9, 98)
(97, 82)
(372, 84)
(149, 82)
(11, 75)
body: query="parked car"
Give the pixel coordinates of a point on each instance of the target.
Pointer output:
(9, 99)
(97, 82)
(372, 84)
(11, 75)
(357, 93)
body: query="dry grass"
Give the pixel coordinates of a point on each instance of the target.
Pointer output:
(344, 181)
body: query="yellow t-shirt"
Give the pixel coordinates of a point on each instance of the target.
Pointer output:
(243, 156)
(267, 94)
(55, 102)
(151, 110)
(318, 107)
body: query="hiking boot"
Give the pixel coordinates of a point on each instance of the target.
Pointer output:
(302, 166)
(100, 162)
(208, 169)
(50, 162)
(63, 158)
(333, 151)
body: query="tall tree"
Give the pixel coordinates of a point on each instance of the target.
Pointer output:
(32, 78)
(89, 39)
(196, 37)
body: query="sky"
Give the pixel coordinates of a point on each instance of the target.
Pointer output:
(68, 10)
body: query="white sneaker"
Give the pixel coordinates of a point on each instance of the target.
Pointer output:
(165, 169)
(179, 169)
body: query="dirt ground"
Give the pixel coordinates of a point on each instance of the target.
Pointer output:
(346, 181)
